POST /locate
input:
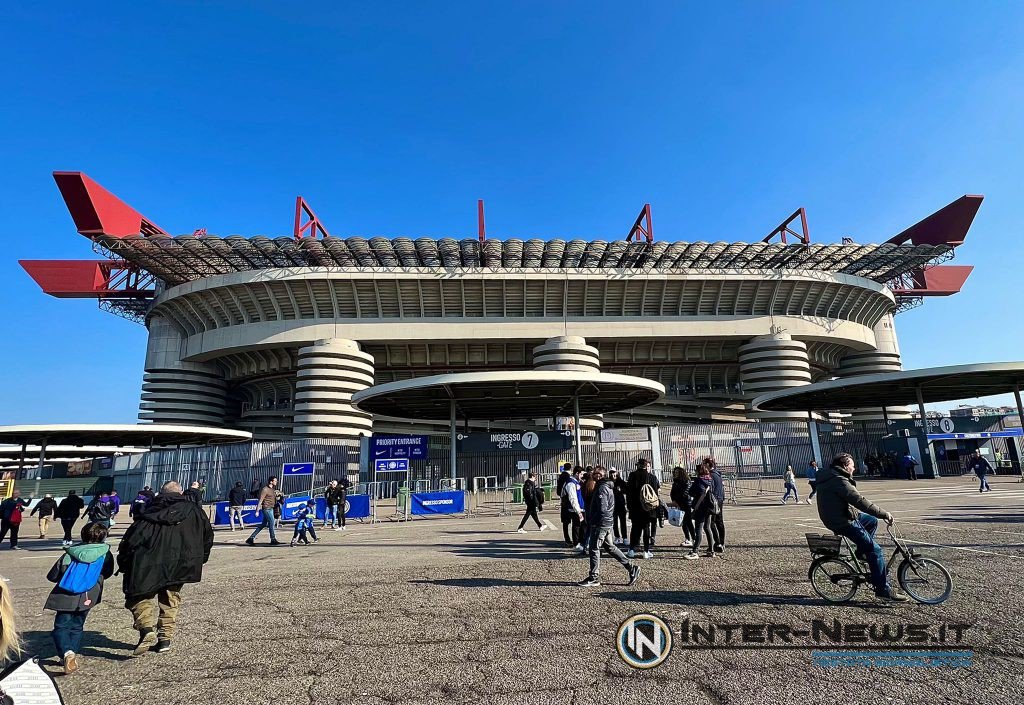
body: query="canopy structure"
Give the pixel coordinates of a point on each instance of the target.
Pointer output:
(934, 384)
(508, 394)
(95, 440)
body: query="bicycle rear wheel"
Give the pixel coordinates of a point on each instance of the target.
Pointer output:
(833, 579)
(925, 579)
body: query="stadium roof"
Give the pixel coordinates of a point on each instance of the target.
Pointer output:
(185, 258)
(936, 384)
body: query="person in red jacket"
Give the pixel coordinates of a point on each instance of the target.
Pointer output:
(10, 517)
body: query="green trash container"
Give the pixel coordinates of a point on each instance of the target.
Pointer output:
(548, 492)
(517, 494)
(403, 499)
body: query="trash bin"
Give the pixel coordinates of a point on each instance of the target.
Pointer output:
(403, 500)
(517, 494)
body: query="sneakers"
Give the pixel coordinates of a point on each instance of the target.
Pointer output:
(808, 500)
(783, 501)
(691, 556)
(250, 542)
(687, 543)
(719, 548)
(162, 646)
(337, 528)
(543, 527)
(578, 548)
(520, 531)
(634, 573)
(147, 640)
(15, 548)
(70, 662)
(648, 555)
(631, 553)
(292, 544)
(892, 594)
(590, 582)
(275, 543)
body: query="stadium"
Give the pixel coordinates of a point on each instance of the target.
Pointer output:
(273, 335)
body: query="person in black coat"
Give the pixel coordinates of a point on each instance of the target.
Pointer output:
(158, 554)
(236, 505)
(45, 508)
(68, 511)
(619, 523)
(533, 497)
(641, 517)
(680, 495)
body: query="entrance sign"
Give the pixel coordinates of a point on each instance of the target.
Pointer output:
(398, 447)
(623, 435)
(498, 441)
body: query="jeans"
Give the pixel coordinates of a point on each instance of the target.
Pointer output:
(984, 484)
(688, 530)
(6, 526)
(67, 631)
(268, 523)
(68, 525)
(601, 537)
(862, 534)
(531, 511)
(790, 488)
(330, 512)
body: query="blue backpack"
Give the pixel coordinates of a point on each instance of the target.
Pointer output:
(81, 577)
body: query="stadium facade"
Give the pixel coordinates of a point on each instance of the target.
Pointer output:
(274, 335)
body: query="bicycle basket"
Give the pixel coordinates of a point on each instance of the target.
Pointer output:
(824, 544)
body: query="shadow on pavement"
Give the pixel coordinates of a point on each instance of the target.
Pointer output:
(704, 597)
(42, 643)
(493, 582)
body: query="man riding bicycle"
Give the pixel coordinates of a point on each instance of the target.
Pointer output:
(838, 502)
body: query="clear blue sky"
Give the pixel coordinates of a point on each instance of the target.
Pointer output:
(392, 119)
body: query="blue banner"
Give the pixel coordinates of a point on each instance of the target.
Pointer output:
(398, 447)
(396, 465)
(297, 469)
(358, 507)
(438, 503)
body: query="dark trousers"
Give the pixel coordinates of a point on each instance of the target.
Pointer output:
(814, 488)
(68, 525)
(719, 522)
(619, 523)
(571, 520)
(600, 537)
(705, 523)
(531, 511)
(67, 631)
(688, 531)
(640, 529)
(6, 526)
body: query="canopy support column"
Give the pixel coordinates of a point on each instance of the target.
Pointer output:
(927, 450)
(812, 434)
(576, 428)
(1020, 417)
(454, 434)
(42, 459)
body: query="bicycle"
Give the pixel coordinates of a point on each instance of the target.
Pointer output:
(835, 577)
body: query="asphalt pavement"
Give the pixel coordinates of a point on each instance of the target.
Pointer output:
(460, 610)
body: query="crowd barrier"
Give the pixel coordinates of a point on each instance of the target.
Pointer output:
(358, 507)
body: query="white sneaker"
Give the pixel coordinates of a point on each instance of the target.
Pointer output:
(808, 501)
(648, 554)
(578, 548)
(691, 556)
(687, 542)
(783, 501)
(520, 531)
(338, 528)
(543, 527)
(631, 553)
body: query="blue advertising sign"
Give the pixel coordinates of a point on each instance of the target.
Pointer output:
(438, 503)
(289, 469)
(392, 465)
(398, 447)
(357, 506)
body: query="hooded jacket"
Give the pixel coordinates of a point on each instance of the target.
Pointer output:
(61, 600)
(237, 496)
(601, 505)
(838, 498)
(70, 507)
(166, 547)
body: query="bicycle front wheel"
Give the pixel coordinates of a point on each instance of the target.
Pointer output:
(833, 579)
(925, 579)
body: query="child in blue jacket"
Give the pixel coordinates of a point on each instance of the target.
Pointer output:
(304, 522)
(79, 575)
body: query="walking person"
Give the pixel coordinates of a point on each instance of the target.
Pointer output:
(572, 510)
(717, 518)
(115, 506)
(680, 496)
(705, 506)
(619, 525)
(642, 502)
(910, 464)
(304, 523)
(47, 509)
(139, 505)
(812, 479)
(600, 517)
(99, 510)
(194, 493)
(10, 517)
(533, 497)
(68, 511)
(789, 482)
(980, 467)
(157, 556)
(79, 575)
(236, 505)
(265, 506)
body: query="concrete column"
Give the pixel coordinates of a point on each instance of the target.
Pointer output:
(771, 363)
(178, 392)
(329, 373)
(884, 358)
(569, 353)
